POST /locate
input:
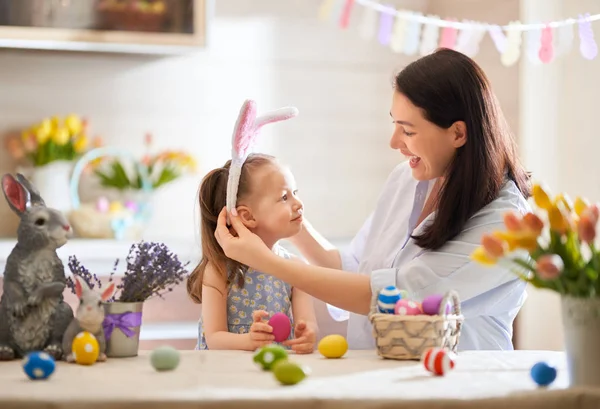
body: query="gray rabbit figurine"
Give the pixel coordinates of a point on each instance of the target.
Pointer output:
(88, 317)
(33, 313)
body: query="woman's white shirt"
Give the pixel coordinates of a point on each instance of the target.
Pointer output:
(490, 296)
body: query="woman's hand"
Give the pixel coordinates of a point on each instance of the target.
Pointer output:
(245, 246)
(305, 340)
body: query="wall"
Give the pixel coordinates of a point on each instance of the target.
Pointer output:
(277, 54)
(559, 144)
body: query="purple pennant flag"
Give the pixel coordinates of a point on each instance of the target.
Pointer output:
(386, 24)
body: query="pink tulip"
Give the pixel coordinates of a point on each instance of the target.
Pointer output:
(549, 266)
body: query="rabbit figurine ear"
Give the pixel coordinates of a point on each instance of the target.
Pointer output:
(108, 292)
(18, 198)
(33, 192)
(80, 286)
(245, 133)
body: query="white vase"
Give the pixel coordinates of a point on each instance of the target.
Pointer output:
(52, 181)
(581, 323)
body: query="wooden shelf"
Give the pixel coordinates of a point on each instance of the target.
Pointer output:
(61, 39)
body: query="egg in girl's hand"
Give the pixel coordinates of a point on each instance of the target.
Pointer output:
(432, 303)
(281, 326)
(408, 307)
(387, 299)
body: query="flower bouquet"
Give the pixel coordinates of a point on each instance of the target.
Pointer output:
(152, 270)
(48, 149)
(553, 248)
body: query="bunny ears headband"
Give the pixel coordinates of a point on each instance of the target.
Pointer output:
(246, 131)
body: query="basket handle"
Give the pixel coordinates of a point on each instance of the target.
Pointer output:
(450, 296)
(98, 153)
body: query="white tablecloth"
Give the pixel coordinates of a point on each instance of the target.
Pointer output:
(227, 379)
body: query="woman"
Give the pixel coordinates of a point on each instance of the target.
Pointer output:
(461, 177)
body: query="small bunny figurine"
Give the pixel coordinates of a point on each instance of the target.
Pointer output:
(88, 317)
(33, 314)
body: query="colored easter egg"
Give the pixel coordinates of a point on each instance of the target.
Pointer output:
(281, 326)
(164, 358)
(38, 365)
(288, 372)
(333, 346)
(268, 355)
(131, 206)
(85, 348)
(102, 205)
(404, 294)
(408, 307)
(387, 299)
(115, 207)
(543, 374)
(438, 361)
(431, 304)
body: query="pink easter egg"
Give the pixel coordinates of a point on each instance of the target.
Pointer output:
(281, 326)
(408, 307)
(102, 205)
(438, 361)
(431, 304)
(131, 206)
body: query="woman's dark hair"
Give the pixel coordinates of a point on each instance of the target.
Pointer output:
(449, 86)
(212, 196)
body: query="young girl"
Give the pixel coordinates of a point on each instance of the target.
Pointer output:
(237, 301)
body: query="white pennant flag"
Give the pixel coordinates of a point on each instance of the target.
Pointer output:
(413, 35)
(368, 24)
(566, 36)
(533, 42)
(498, 37)
(431, 34)
(399, 34)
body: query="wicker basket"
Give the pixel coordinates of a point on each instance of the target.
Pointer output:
(406, 337)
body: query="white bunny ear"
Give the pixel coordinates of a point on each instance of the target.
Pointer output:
(245, 133)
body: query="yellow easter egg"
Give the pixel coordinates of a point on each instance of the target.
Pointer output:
(333, 346)
(115, 207)
(85, 348)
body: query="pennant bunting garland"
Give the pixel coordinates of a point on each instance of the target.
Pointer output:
(410, 32)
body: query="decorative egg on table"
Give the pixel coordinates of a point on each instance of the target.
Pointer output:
(165, 358)
(387, 299)
(282, 327)
(438, 361)
(38, 365)
(408, 307)
(268, 355)
(85, 348)
(543, 374)
(289, 373)
(333, 346)
(432, 303)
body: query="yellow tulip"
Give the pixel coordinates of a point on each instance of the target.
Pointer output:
(74, 124)
(580, 205)
(558, 221)
(482, 257)
(54, 123)
(541, 198)
(565, 200)
(41, 135)
(81, 143)
(61, 136)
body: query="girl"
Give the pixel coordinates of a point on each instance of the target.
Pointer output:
(236, 300)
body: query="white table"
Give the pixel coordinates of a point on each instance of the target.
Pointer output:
(361, 380)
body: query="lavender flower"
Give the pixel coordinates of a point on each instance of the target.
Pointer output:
(78, 269)
(152, 270)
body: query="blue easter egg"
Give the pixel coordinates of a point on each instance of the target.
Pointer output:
(543, 374)
(38, 365)
(387, 299)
